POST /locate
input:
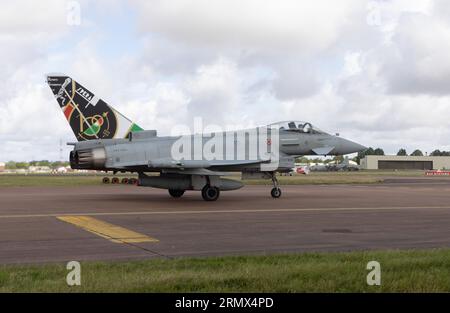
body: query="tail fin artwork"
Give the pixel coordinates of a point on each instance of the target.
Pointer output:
(88, 116)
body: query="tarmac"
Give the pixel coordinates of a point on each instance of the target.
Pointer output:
(123, 222)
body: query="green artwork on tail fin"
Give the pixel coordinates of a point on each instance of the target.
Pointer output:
(92, 131)
(135, 128)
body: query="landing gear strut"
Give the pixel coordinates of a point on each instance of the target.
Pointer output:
(276, 191)
(210, 193)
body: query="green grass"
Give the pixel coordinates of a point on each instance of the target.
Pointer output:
(315, 178)
(401, 271)
(328, 178)
(46, 180)
(318, 179)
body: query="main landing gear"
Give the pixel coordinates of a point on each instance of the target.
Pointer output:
(210, 193)
(276, 191)
(176, 193)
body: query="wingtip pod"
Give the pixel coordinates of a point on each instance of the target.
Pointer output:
(89, 116)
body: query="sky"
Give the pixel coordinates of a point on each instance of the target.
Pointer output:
(376, 72)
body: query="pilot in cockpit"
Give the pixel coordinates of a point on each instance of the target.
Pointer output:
(302, 127)
(307, 128)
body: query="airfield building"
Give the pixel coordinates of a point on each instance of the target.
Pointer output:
(393, 162)
(2, 167)
(39, 169)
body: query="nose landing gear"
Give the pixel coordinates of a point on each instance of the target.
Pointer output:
(276, 191)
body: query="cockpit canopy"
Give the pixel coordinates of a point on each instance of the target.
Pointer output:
(297, 126)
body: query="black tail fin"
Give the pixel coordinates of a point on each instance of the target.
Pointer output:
(88, 116)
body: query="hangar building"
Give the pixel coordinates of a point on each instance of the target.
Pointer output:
(393, 162)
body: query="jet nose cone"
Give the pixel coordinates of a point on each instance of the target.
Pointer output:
(348, 147)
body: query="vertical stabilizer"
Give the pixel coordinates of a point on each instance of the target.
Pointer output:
(89, 116)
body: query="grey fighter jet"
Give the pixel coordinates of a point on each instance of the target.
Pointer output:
(108, 141)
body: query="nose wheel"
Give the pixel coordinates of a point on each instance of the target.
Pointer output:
(276, 191)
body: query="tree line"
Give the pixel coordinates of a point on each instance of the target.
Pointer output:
(11, 165)
(401, 152)
(369, 151)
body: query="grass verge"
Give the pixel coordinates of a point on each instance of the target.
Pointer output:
(317, 179)
(314, 178)
(45, 180)
(21, 180)
(401, 271)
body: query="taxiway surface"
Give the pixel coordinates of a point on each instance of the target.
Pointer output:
(35, 222)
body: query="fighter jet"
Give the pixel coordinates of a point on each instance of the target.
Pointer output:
(345, 165)
(109, 141)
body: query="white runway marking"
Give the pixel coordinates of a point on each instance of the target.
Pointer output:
(225, 211)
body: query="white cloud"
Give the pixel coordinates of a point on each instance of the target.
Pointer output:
(290, 26)
(417, 59)
(32, 17)
(288, 37)
(26, 28)
(214, 89)
(375, 71)
(29, 125)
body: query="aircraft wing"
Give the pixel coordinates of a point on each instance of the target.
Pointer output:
(192, 167)
(197, 171)
(186, 164)
(237, 162)
(192, 170)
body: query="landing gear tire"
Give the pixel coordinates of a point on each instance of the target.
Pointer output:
(210, 193)
(176, 193)
(124, 180)
(105, 180)
(115, 180)
(276, 192)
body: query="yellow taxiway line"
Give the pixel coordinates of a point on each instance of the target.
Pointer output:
(106, 230)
